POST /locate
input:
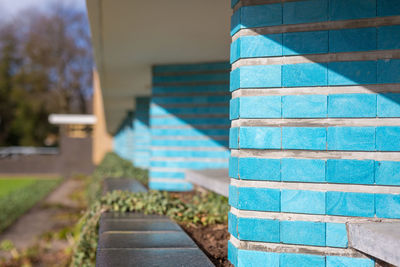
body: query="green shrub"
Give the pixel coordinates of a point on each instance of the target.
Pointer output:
(17, 202)
(115, 167)
(205, 209)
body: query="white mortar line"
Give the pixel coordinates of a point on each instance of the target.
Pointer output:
(318, 58)
(166, 169)
(307, 154)
(298, 249)
(185, 148)
(197, 127)
(184, 137)
(185, 159)
(318, 90)
(304, 217)
(317, 122)
(320, 187)
(167, 180)
(192, 115)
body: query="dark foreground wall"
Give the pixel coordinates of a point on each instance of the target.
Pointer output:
(74, 157)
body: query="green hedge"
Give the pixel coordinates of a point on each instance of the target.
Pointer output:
(17, 202)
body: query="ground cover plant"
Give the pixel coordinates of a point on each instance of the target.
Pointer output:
(19, 195)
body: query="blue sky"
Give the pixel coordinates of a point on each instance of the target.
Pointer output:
(9, 8)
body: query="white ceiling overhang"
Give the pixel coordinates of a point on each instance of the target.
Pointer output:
(130, 36)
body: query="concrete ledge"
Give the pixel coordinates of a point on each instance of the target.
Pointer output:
(216, 180)
(380, 240)
(123, 184)
(136, 239)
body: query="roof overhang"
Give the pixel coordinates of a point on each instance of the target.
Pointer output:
(130, 36)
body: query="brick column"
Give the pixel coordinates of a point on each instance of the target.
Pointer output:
(315, 133)
(141, 133)
(123, 139)
(189, 122)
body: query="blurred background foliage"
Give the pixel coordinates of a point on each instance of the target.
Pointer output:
(45, 67)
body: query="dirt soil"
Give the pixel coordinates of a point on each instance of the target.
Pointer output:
(213, 240)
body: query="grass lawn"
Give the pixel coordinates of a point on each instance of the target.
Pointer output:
(8, 185)
(19, 194)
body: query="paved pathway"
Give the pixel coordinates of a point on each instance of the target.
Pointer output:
(41, 218)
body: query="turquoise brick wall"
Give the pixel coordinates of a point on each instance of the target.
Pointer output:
(189, 122)
(315, 134)
(141, 133)
(123, 139)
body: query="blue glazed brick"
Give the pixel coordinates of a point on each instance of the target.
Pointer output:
(256, 77)
(261, 46)
(290, 260)
(305, 74)
(258, 230)
(388, 37)
(173, 175)
(191, 67)
(350, 40)
(234, 82)
(233, 138)
(260, 137)
(388, 138)
(257, 258)
(234, 167)
(234, 108)
(387, 206)
(236, 21)
(260, 169)
(350, 204)
(313, 138)
(388, 105)
(338, 261)
(336, 235)
(234, 2)
(352, 105)
(340, 9)
(235, 50)
(346, 171)
(387, 172)
(260, 107)
(170, 186)
(261, 15)
(233, 196)
(304, 106)
(233, 224)
(198, 77)
(388, 7)
(303, 233)
(232, 254)
(303, 170)
(260, 199)
(298, 201)
(351, 138)
(305, 11)
(388, 71)
(352, 73)
(300, 43)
